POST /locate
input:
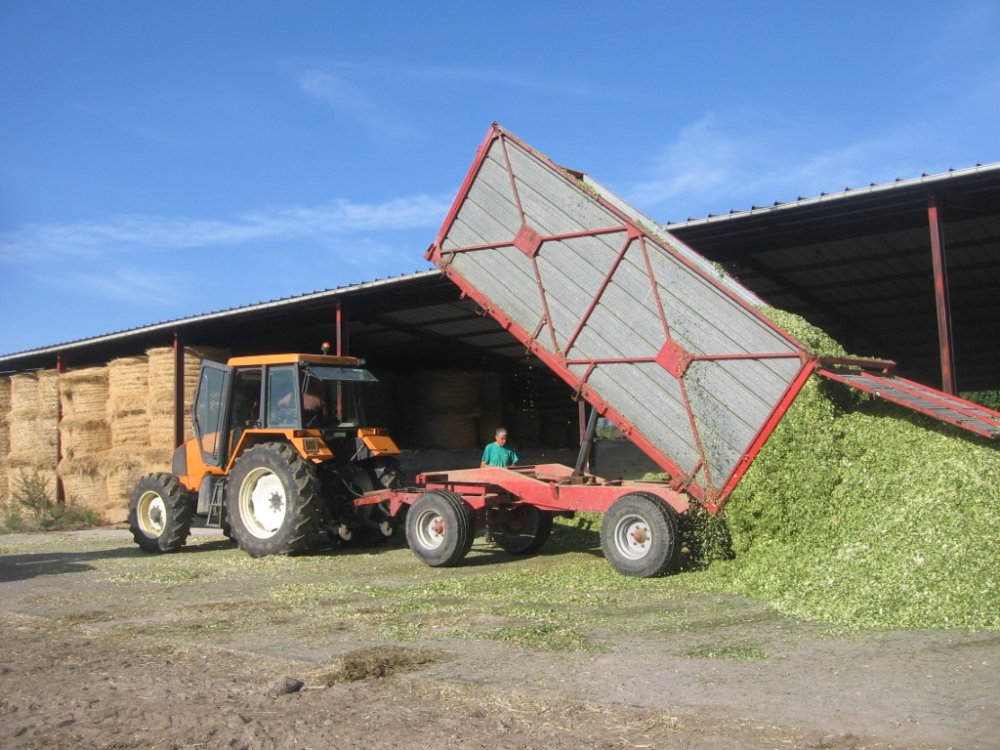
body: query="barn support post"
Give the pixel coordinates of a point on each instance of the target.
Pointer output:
(178, 390)
(60, 490)
(946, 342)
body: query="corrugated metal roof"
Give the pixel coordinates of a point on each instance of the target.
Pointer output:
(925, 180)
(291, 301)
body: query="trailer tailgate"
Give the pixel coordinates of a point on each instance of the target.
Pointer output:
(921, 398)
(669, 349)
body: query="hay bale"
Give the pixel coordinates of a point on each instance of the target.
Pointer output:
(24, 394)
(4, 441)
(33, 442)
(525, 428)
(129, 431)
(161, 430)
(84, 393)
(81, 436)
(491, 391)
(84, 482)
(486, 426)
(4, 486)
(448, 391)
(128, 386)
(4, 398)
(48, 394)
(447, 431)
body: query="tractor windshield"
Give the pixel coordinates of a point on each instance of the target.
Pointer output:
(331, 397)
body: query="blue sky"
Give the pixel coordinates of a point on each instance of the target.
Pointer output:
(164, 159)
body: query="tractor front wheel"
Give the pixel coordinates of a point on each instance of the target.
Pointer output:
(639, 535)
(440, 528)
(273, 501)
(159, 513)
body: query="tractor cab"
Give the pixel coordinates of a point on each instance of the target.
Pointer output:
(315, 402)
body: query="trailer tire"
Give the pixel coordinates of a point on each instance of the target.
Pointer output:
(639, 535)
(521, 529)
(440, 528)
(159, 513)
(273, 501)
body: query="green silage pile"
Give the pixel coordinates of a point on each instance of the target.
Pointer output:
(862, 513)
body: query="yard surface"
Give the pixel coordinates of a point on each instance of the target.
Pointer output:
(105, 646)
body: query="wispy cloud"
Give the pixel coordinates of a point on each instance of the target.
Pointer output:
(713, 165)
(50, 242)
(120, 285)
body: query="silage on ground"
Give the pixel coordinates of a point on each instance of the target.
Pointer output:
(860, 512)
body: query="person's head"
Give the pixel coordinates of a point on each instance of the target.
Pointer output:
(501, 436)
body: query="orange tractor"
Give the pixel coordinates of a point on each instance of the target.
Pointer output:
(278, 457)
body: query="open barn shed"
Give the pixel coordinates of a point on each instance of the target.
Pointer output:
(907, 271)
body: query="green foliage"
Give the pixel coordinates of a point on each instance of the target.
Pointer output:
(32, 508)
(862, 513)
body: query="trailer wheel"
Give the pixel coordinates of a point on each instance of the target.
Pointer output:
(440, 528)
(273, 501)
(159, 513)
(639, 535)
(522, 529)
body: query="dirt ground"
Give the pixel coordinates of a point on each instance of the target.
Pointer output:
(106, 647)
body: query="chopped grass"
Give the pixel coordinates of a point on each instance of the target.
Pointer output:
(862, 513)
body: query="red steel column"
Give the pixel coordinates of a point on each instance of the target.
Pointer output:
(946, 343)
(60, 490)
(178, 390)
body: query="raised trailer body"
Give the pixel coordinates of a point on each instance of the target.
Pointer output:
(677, 355)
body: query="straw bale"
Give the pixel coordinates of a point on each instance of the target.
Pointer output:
(33, 441)
(48, 394)
(129, 431)
(4, 398)
(486, 426)
(4, 486)
(84, 481)
(4, 441)
(47, 473)
(447, 431)
(24, 394)
(81, 436)
(448, 391)
(491, 390)
(525, 428)
(162, 376)
(128, 385)
(161, 430)
(84, 393)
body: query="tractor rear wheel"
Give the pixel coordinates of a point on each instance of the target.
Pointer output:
(159, 513)
(440, 528)
(639, 535)
(273, 501)
(522, 529)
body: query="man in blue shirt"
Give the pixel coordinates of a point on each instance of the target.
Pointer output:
(497, 453)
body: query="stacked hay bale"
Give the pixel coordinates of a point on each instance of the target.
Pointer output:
(128, 420)
(447, 408)
(161, 385)
(4, 438)
(32, 433)
(85, 436)
(491, 399)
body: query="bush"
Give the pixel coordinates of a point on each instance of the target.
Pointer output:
(32, 507)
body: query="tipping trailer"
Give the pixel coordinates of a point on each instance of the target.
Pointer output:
(675, 354)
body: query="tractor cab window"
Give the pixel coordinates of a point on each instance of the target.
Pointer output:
(246, 403)
(209, 411)
(282, 398)
(336, 392)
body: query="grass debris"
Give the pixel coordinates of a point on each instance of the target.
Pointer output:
(863, 513)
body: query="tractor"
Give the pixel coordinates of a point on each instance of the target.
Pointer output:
(278, 456)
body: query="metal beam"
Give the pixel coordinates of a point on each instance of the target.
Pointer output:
(946, 343)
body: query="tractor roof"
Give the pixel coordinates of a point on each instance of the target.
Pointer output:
(292, 359)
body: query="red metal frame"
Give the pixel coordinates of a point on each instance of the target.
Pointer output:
(549, 487)
(671, 357)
